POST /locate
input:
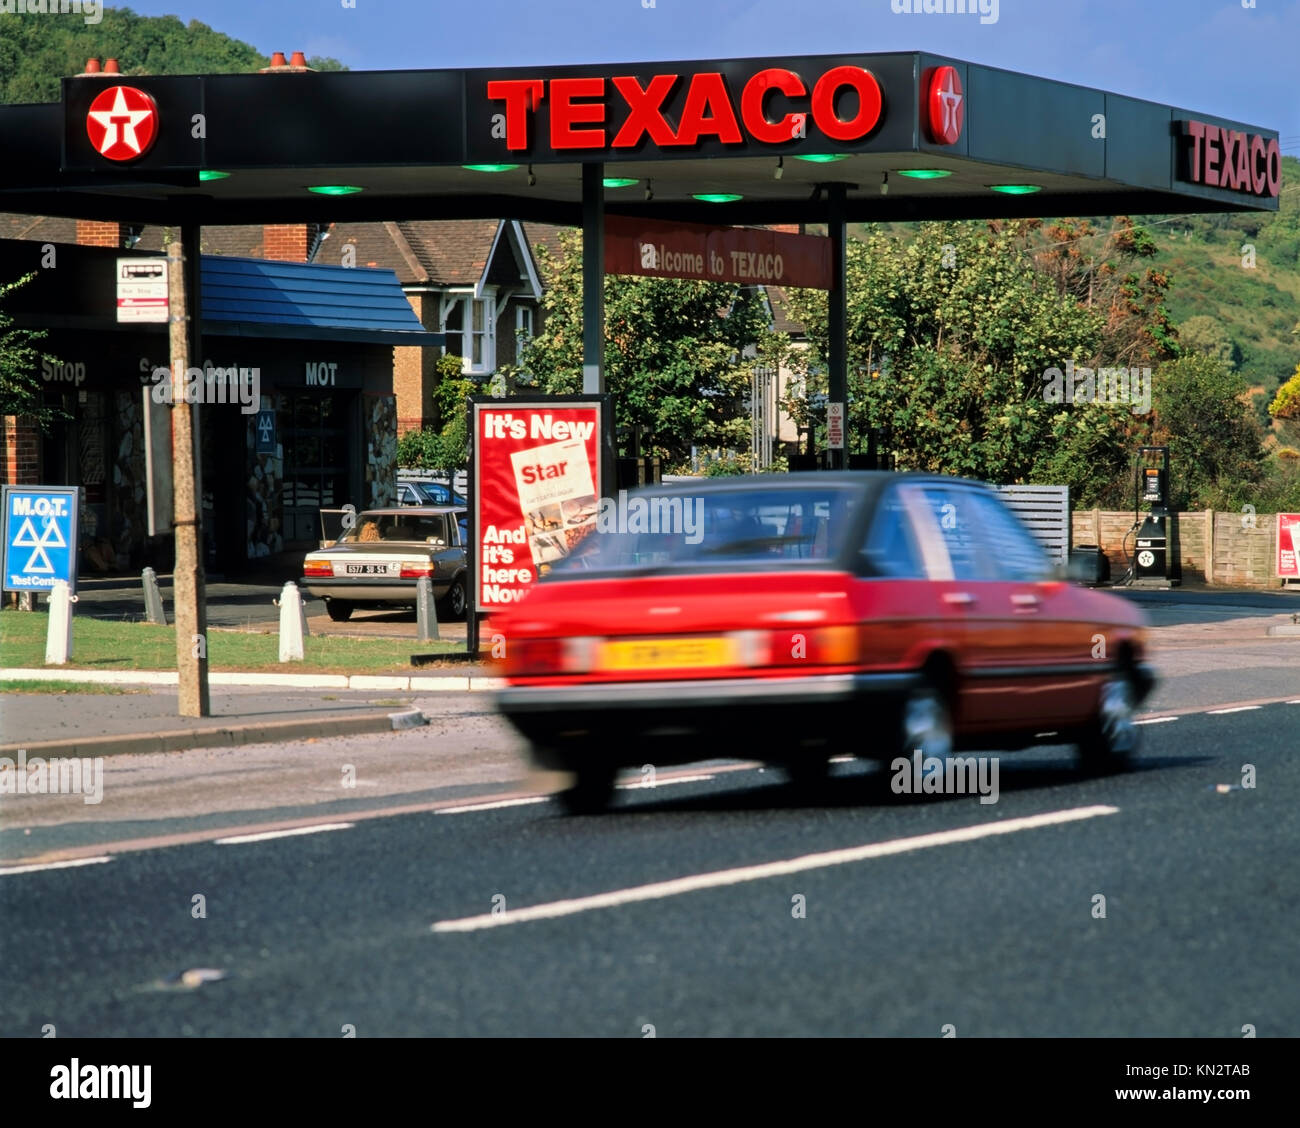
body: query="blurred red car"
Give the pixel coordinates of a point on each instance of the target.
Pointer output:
(793, 619)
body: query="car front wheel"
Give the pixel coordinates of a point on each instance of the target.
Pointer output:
(339, 610)
(1111, 741)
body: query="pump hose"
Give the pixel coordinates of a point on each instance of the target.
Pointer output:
(1128, 576)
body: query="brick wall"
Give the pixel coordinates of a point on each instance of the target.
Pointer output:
(95, 233)
(286, 242)
(20, 460)
(1244, 549)
(415, 371)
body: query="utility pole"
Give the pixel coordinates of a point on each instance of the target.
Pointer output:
(191, 599)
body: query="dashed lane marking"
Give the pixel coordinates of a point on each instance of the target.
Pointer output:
(661, 889)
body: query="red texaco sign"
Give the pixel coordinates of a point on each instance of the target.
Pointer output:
(122, 123)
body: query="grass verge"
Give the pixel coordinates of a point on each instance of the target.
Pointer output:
(99, 644)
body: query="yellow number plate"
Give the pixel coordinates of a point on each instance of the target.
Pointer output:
(667, 654)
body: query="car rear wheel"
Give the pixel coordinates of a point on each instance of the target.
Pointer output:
(453, 603)
(924, 725)
(1111, 741)
(339, 610)
(808, 772)
(592, 789)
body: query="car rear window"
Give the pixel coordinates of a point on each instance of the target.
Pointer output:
(396, 527)
(747, 526)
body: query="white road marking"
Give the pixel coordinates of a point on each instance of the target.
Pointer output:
(1238, 709)
(843, 759)
(492, 806)
(266, 836)
(6, 871)
(1296, 702)
(1156, 721)
(696, 882)
(664, 783)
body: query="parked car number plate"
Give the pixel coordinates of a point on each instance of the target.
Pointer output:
(365, 569)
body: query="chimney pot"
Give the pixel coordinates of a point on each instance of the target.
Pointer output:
(92, 66)
(277, 59)
(298, 60)
(110, 66)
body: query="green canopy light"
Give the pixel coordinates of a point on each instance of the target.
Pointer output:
(823, 158)
(491, 168)
(619, 182)
(717, 197)
(212, 174)
(335, 189)
(924, 173)
(1016, 189)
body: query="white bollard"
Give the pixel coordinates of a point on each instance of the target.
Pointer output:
(153, 607)
(293, 623)
(58, 635)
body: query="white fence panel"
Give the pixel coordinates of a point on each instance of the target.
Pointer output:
(1045, 512)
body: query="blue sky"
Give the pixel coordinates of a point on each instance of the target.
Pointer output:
(1235, 58)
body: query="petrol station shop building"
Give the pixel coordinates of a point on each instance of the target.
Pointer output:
(671, 156)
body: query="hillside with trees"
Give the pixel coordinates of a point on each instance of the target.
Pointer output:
(35, 52)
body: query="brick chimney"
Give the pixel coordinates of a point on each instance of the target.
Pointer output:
(98, 233)
(288, 242)
(296, 65)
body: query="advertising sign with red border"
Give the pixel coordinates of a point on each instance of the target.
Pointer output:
(538, 469)
(1288, 546)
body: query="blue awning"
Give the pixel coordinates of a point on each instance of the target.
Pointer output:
(264, 298)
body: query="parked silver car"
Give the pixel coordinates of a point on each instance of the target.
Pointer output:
(376, 562)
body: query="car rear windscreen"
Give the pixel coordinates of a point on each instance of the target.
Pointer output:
(748, 526)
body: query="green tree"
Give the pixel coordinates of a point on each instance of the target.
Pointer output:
(445, 446)
(673, 354)
(1206, 335)
(950, 334)
(1214, 440)
(21, 390)
(36, 52)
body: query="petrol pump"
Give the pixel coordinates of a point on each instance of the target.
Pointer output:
(1151, 566)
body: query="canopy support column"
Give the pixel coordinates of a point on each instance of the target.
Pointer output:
(593, 277)
(836, 321)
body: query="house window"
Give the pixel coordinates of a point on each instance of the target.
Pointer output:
(467, 323)
(523, 323)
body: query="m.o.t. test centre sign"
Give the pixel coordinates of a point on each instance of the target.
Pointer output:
(40, 536)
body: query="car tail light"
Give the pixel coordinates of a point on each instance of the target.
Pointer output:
(531, 656)
(579, 654)
(753, 648)
(317, 568)
(816, 646)
(414, 569)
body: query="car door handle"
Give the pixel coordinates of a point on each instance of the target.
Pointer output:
(1026, 601)
(959, 598)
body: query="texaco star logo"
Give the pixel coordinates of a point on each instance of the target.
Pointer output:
(945, 106)
(122, 123)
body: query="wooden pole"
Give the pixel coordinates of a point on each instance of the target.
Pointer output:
(190, 597)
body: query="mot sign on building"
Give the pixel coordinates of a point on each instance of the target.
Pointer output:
(40, 536)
